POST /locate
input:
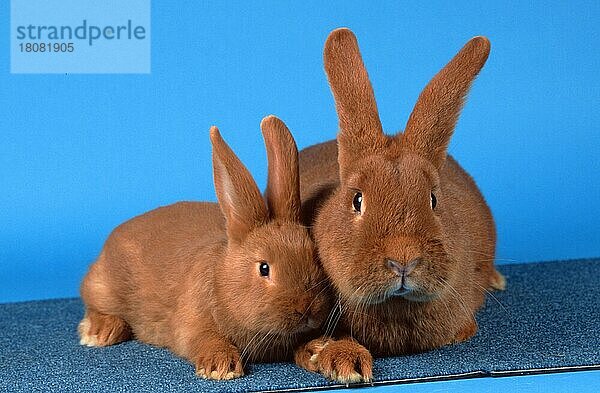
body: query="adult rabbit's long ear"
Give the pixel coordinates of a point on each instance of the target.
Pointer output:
(360, 127)
(283, 183)
(434, 116)
(239, 197)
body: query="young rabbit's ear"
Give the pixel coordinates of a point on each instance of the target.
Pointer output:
(360, 127)
(238, 195)
(283, 183)
(434, 116)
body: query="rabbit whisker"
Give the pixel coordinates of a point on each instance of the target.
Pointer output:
(247, 347)
(315, 298)
(331, 316)
(317, 284)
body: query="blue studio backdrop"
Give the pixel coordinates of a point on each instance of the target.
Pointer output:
(81, 153)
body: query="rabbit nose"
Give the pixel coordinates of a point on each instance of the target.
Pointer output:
(400, 269)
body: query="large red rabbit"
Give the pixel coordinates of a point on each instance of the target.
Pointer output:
(402, 230)
(216, 284)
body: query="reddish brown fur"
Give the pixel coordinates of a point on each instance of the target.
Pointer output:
(173, 277)
(455, 242)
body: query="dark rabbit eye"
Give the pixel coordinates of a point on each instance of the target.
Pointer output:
(433, 201)
(357, 202)
(263, 268)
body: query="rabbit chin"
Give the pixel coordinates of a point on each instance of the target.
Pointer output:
(304, 327)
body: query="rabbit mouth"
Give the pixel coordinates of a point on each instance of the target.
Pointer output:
(401, 289)
(397, 289)
(306, 324)
(410, 291)
(304, 328)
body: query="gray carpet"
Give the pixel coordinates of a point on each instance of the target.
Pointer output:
(547, 321)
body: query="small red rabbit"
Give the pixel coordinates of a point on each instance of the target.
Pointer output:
(217, 284)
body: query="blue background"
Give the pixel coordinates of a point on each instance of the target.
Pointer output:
(80, 154)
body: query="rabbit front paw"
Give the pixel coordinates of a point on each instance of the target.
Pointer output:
(219, 364)
(343, 360)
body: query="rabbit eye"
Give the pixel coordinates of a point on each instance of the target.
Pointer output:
(433, 201)
(263, 268)
(357, 202)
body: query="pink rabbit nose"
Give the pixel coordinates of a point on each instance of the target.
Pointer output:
(400, 269)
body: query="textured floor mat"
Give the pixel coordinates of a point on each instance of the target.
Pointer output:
(548, 320)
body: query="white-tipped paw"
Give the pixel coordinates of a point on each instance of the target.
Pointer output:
(85, 338)
(221, 365)
(344, 361)
(498, 281)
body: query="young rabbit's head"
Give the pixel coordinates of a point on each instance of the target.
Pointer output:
(271, 280)
(387, 231)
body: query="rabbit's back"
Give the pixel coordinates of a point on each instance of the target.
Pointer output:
(143, 269)
(469, 225)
